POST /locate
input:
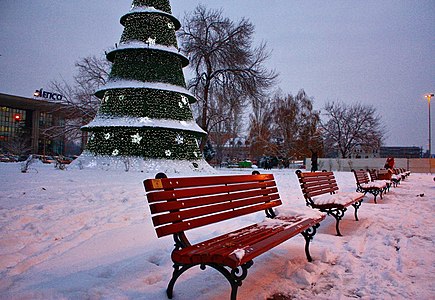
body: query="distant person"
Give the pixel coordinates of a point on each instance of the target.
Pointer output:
(314, 166)
(389, 164)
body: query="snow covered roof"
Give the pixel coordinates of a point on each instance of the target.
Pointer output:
(113, 121)
(135, 84)
(142, 45)
(150, 10)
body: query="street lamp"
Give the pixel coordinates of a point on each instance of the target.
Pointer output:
(429, 96)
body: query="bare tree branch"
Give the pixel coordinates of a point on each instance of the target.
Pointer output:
(229, 71)
(347, 127)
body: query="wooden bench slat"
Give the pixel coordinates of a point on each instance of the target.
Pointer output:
(181, 203)
(225, 245)
(277, 238)
(211, 209)
(320, 182)
(239, 239)
(170, 183)
(183, 226)
(234, 239)
(316, 174)
(157, 196)
(254, 240)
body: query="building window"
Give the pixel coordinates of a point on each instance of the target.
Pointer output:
(45, 120)
(11, 122)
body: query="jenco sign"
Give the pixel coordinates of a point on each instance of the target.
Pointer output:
(47, 95)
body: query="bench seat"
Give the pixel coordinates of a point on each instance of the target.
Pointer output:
(338, 199)
(374, 184)
(241, 246)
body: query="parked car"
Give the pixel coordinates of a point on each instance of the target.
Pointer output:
(63, 159)
(8, 158)
(48, 159)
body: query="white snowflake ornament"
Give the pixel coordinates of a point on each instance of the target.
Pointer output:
(179, 139)
(151, 41)
(107, 136)
(115, 152)
(184, 100)
(136, 138)
(171, 25)
(168, 152)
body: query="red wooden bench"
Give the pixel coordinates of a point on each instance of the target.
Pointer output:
(388, 174)
(320, 192)
(374, 176)
(364, 185)
(182, 204)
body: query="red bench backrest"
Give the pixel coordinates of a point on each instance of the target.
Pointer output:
(180, 204)
(317, 183)
(373, 174)
(361, 176)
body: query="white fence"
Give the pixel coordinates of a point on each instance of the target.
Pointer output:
(416, 165)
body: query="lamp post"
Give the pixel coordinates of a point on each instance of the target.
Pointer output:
(429, 96)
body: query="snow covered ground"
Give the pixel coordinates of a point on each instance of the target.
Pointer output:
(87, 234)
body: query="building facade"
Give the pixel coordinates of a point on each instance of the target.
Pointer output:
(401, 152)
(23, 122)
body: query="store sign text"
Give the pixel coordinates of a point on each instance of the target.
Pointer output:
(47, 95)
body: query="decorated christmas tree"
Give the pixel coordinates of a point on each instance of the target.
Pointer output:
(145, 121)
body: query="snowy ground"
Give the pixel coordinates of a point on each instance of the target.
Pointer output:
(87, 234)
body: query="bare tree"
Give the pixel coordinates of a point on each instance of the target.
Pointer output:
(19, 144)
(80, 103)
(285, 127)
(349, 126)
(260, 128)
(295, 126)
(226, 65)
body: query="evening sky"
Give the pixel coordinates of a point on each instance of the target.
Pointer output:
(380, 52)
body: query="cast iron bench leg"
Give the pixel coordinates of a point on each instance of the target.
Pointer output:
(338, 215)
(356, 205)
(178, 270)
(235, 277)
(308, 235)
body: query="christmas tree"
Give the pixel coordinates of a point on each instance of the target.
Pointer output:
(145, 121)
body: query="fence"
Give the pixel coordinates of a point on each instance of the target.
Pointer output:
(415, 165)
